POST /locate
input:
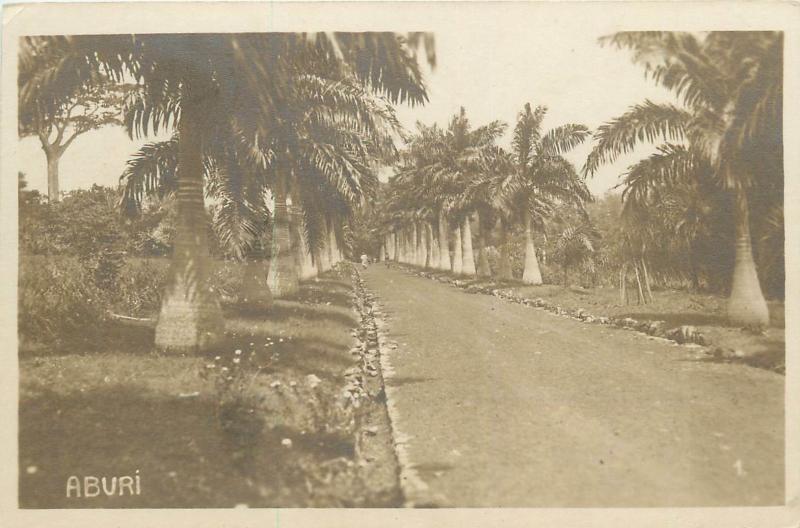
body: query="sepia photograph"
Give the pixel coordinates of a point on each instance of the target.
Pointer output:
(515, 264)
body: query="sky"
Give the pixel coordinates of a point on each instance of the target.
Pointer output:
(491, 73)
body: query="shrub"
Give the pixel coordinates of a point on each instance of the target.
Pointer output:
(58, 300)
(227, 278)
(140, 285)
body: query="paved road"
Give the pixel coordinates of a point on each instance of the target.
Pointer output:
(507, 405)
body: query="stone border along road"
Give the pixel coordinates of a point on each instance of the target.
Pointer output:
(376, 366)
(365, 390)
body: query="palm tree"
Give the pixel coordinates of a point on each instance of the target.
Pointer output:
(541, 177)
(484, 194)
(457, 163)
(730, 85)
(427, 187)
(576, 245)
(201, 84)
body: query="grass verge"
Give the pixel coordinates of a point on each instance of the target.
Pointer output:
(286, 437)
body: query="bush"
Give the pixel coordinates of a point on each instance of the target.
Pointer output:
(139, 287)
(227, 278)
(58, 300)
(64, 298)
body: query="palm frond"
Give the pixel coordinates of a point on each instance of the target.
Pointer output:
(151, 171)
(562, 139)
(647, 122)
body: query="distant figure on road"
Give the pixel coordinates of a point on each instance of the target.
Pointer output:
(364, 261)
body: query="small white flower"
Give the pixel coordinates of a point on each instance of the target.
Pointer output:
(236, 360)
(238, 352)
(286, 442)
(217, 358)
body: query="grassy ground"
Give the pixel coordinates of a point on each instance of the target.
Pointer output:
(117, 408)
(676, 308)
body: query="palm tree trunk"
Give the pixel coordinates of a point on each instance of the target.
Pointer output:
(647, 280)
(413, 244)
(746, 306)
(429, 259)
(642, 300)
(282, 277)
(421, 249)
(409, 243)
(531, 274)
(458, 262)
(396, 241)
(255, 288)
(622, 294)
(323, 259)
(484, 270)
(335, 252)
(468, 264)
(190, 320)
(505, 258)
(399, 243)
(331, 242)
(433, 240)
(444, 250)
(303, 253)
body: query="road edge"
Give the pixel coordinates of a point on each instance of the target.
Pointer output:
(416, 491)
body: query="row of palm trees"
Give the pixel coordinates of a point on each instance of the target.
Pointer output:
(725, 139)
(451, 179)
(721, 144)
(259, 122)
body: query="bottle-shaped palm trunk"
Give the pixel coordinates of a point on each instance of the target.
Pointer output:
(433, 244)
(333, 245)
(322, 252)
(283, 276)
(388, 244)
(255, 294)
(484, 270)
(504, 268)
(468, 256)
(458, 262)
(746, 306)
(413, 245)
(396, 242)
(444, 252)
(190, 319)
(422, 246)
(401, 250)
(531, 274)
(303, 252)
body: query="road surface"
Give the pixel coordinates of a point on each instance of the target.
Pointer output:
(506, 405)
